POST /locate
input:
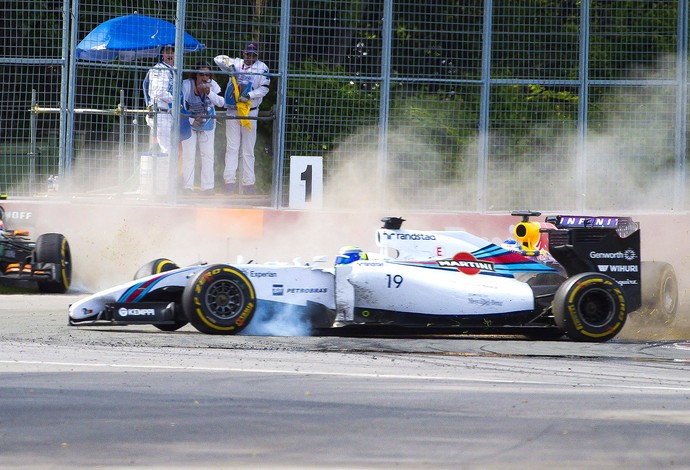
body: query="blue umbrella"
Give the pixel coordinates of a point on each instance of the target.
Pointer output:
(129, 38)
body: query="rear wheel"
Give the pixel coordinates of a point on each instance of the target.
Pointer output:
(590, 307)
(157, 266)
(54, 248)
(219, 300)
(659, 291)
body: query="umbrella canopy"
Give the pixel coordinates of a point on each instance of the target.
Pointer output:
(129, 38)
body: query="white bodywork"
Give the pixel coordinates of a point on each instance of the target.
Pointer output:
(278, 282)
(424, 245)
(413, 280)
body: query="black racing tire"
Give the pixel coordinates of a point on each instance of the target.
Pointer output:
(659, 291)
(219, 300)
(54, 248)
(157, 266)
(590, 307)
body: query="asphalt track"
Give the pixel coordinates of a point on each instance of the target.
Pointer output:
(136, 397)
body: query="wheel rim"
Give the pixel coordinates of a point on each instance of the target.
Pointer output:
(597, 307)
(668, 299)
(224, 299)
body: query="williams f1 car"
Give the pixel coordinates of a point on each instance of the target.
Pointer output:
(574, 276)
(46, 262)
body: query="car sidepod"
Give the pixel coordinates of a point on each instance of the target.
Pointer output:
(426, 294)
(302, 294)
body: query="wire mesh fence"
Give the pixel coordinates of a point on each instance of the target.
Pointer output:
(443, 105)
(32, 49)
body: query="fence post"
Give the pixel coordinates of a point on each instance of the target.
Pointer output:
(121, 140)
(67, 95)
(582, 110)
(384, 101)
(484, 111)
(281, 102)
(681, 104)
(32, 151)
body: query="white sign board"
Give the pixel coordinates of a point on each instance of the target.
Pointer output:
(306, 182)
(153, 174)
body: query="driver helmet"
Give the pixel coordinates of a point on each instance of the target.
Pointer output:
(350, 254)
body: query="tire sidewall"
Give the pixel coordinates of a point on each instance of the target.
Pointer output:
(54, 248)
(655, 278)
(203, 284)
(566, 305)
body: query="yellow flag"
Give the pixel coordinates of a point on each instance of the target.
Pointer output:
(242, 108)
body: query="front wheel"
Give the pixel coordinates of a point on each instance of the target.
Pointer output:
(219, 300)
(54, 248)
(157, 266)
(659, 291)
(590, 307)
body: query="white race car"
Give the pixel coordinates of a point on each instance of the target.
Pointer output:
(550, 284)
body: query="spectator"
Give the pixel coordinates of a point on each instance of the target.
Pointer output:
(158, 91)
(200, 95)
(247, 86)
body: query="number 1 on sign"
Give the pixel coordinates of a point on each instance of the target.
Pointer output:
(306, 176)
(306, 182)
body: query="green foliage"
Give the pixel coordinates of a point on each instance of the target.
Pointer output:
(535, 44)
(630, 34)
(537, 47)
(19, 168)
(344, 105)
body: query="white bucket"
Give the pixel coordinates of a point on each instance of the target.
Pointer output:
(153, 174)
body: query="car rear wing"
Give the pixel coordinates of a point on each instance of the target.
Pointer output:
(606, 245)
(624, 225)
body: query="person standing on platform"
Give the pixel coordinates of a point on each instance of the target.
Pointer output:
(200, 95)
(158, 93)
(248, 84)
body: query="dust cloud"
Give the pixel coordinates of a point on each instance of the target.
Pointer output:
(286, 322)
(628, 171)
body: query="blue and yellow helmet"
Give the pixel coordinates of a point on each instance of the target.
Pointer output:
(350, 254)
